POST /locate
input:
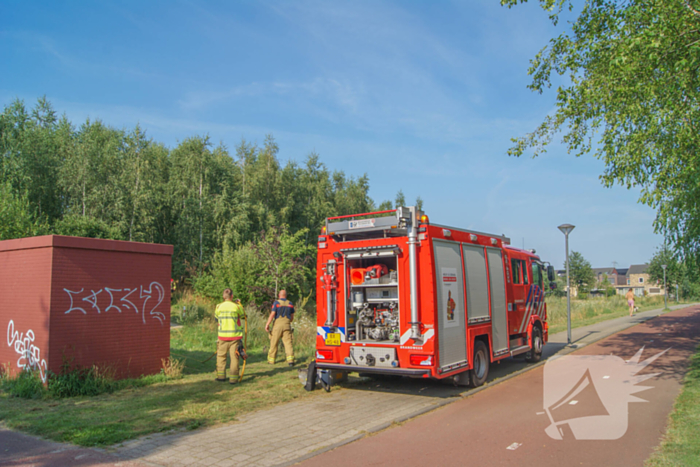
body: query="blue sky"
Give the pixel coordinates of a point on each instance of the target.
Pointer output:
(421, 96)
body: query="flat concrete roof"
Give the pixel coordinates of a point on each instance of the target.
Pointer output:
(60, 241)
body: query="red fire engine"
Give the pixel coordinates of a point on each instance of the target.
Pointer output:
(398, 295)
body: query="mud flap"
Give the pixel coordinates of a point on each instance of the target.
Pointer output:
(462, 379)
(310, 383)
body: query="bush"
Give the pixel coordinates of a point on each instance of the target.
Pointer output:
(190, 309)
(72, 382)
(85, 226)
(172, 367)
(27, 384)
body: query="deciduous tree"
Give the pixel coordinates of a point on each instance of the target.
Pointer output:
(629, 94)
(580, 271)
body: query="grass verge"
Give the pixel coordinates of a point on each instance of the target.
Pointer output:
(191, 401)
(681, 444)
(595, 310)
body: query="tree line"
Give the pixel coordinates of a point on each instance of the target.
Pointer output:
(222, 210)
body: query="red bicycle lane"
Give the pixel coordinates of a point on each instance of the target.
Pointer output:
(505, 424)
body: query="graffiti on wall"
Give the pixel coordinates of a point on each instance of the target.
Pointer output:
(124, 299)
(29, 354)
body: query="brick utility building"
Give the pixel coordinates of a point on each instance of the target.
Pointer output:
(86, 301)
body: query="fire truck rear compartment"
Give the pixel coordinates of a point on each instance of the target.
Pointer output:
(382, 357)
(372, 309)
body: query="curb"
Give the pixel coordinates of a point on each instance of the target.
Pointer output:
(565, 351)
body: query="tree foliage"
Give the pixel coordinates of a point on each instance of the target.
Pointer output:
(674, 268)
(16, 217)
(220, 211)
(679, 272)
(580, 272)
(630, 96)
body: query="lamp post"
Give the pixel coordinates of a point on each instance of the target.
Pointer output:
(566, 230)
(663, 266)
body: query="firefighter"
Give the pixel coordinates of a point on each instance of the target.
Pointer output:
(228, 315)
(283, 315)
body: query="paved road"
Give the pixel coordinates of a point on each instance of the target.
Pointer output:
(479, 429)
(300, 429)
(18, 449)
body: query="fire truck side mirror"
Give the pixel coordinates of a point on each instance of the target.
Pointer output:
(553, 285)
(551, 275)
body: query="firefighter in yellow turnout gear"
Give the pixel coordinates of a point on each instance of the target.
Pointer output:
(283, 314)
(228, 314)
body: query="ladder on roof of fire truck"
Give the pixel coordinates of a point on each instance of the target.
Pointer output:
(364, 226)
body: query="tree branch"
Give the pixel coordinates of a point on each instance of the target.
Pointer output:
(693, 10)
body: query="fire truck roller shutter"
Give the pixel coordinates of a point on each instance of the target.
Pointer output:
(451, 322)
(499, 318)
(477, 289)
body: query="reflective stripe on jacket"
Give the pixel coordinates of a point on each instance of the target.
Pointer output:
(229, 315)
(283, 308)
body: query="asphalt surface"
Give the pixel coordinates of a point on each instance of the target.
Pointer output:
(506, 424)
(18, 449)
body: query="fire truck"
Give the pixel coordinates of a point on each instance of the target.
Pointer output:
(398, 295)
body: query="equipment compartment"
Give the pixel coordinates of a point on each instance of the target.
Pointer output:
(373, 356)
(372, 311)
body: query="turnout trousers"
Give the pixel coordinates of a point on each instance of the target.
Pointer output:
(222, 349)
(282, 329)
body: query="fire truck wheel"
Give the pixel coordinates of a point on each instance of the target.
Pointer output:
(481, 364)
(534, 355)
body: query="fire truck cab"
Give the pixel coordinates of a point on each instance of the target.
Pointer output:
(399, 295)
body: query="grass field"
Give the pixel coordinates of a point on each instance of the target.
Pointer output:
(188, 402)
(594, 310)
(681, 445)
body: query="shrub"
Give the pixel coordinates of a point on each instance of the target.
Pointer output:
(26, 384)
(72, 382)
(172, 367)
(190, 309)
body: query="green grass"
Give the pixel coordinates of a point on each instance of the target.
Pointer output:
(192, 401)
(681, 445)
(594, 310)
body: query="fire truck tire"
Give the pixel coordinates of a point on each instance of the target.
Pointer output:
(480, 371)
(534, 355)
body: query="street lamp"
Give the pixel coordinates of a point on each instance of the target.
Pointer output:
(663, 266)
(566, 230)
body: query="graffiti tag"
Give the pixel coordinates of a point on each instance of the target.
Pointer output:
(154, 292)
(29, 354)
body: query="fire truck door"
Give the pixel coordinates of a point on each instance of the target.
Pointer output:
(452, 336)
(477, 287)
(499, 318)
